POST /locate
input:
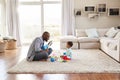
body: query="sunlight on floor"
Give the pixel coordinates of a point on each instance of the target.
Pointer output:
(25, 77)
(55, 77)
(41, 77)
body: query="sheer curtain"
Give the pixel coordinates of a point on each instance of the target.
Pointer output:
(12, 20)
(68, 19)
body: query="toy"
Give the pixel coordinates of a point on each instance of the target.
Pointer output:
(46, 46)
(52, 59)
(65, 58)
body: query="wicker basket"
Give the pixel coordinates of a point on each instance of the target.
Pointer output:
(2, 47)
(11, 44)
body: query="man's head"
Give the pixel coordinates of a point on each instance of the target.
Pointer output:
(46, 36)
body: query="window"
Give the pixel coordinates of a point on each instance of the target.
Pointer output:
(51, 0)
(52, 20)
(37, 16)
(0, 14)
(30, 22)
(28, 0)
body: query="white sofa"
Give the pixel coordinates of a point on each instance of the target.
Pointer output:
(89, 43)
(64, 40)
(111, 47)
(81, 41)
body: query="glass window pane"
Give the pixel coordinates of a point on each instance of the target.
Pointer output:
(52, 20)
(3, 28)
(0, 21)
(30, 21)
(29, 0)
(51, 0)
(0, 14)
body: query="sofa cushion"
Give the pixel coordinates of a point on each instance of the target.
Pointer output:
(110, 43)
(63, 45)
(117, 36)
(68, 38)
(91, 45)
(112, 46)
(102, 32)
(106, 39)
(92, 33)
(80, 33)
(87, 39)
(111, 32)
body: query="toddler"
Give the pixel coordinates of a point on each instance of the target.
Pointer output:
(68, 54)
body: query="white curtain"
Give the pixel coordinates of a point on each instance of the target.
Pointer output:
(12, 20)
(68, 19)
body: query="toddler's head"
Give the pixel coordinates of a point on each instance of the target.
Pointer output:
(69, 44)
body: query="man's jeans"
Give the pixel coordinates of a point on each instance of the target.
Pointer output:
(42, 55)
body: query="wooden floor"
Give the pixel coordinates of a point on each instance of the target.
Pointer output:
(12, 57)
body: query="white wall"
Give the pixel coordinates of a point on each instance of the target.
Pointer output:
(103, 21)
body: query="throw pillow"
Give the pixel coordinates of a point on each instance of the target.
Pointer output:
(111, 32)
(112, 46)
(92, 33)
(117, 36)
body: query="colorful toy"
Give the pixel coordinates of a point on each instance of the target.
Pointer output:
(52, 59)
(46, 46)
(65, 58)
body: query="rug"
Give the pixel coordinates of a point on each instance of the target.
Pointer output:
(83, 61)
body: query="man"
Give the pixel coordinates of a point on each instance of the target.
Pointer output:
(36, 53)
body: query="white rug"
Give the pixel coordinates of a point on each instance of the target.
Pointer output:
(84, 61)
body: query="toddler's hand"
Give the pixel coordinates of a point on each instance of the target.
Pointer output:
(61, 56)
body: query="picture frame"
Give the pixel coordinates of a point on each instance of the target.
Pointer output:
(101, 8)
(114, 11)
(90, 9)
(77, 12)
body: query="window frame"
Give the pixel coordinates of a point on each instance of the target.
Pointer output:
(3, 17)
(41, 2)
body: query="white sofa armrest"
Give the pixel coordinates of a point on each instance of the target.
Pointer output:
(111, 46)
